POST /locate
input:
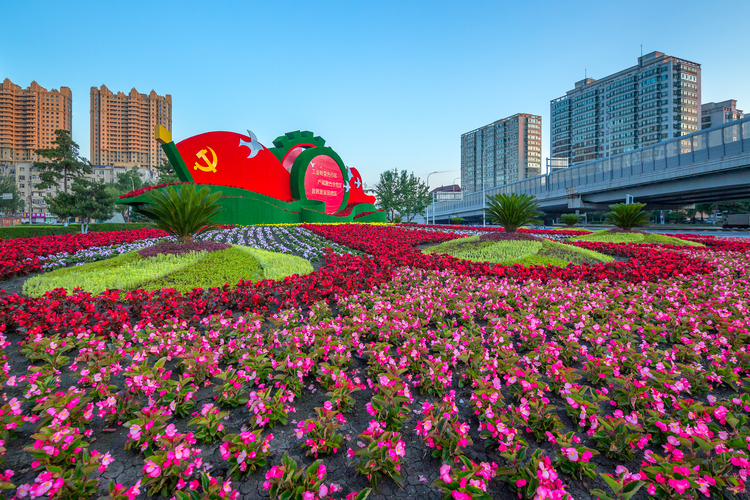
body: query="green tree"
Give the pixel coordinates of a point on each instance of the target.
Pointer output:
(62, 163)
(414, 196)
(183, 211)
(570, 220)
(512, 211)
(628, 216)
(388, 193)
(89, 200)
(126, 181)
(167, 173)
(402, 194)
(15, 204)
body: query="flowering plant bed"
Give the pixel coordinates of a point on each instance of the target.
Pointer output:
(450, 378)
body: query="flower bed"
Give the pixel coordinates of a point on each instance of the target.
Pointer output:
(392, 247)
(609, 236)
(502, 249)
(447, 381)
(283, 239)
(25, 255)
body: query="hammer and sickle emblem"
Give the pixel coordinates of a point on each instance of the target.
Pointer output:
(210, 166)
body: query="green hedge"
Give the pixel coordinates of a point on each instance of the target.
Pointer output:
(32, 230)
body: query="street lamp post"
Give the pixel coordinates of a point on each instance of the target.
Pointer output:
(433, 194)
(484, 195)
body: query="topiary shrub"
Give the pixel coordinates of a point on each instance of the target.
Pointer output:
(627, 217)
(570, 220)
(183, 211)
(512, 211)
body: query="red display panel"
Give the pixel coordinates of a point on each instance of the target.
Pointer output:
(325, 182)
(356, 189)
(223, 158)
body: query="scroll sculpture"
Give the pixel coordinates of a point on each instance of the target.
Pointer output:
(297, 180)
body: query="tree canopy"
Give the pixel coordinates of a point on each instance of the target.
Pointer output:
(166, 172)
(402, 194)
(127, 181)
(89, 200)
(60, 163)
(15, 204)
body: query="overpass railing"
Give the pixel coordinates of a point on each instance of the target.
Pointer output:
(712, 143)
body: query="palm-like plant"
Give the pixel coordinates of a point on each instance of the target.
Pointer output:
(183, 211)
(570, 220)
(628, 216)
(513, 210)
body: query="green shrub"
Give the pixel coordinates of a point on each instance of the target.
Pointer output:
(33, 230)
(523, 252)
(605, 236)
(660, 239)
(217, 268)
(570, 219)
(124, 272)
(559, 254)
(182, 272)
(183, 211)
(628, 216)
(513, 210)
(473, 249)
(277, 266)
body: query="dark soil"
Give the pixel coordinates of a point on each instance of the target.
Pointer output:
(174, 248)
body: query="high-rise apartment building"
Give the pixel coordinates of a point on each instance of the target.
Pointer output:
(659, 98)
(511, 149)
(122, 127)
(718, 113)
(29, 118)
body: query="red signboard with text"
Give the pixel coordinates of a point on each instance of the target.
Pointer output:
(325, 182)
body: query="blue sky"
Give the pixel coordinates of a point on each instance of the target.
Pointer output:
(388, 84)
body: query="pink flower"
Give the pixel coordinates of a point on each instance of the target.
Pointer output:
(224, 450)
(323, 491)
(460, 496)
(151, 469)
(445, 473)
(680, 485)
(720, 412)
(520, 483)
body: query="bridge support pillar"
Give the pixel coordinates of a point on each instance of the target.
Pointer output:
(577, 203)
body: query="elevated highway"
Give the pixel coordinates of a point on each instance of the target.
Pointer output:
(708, 166)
